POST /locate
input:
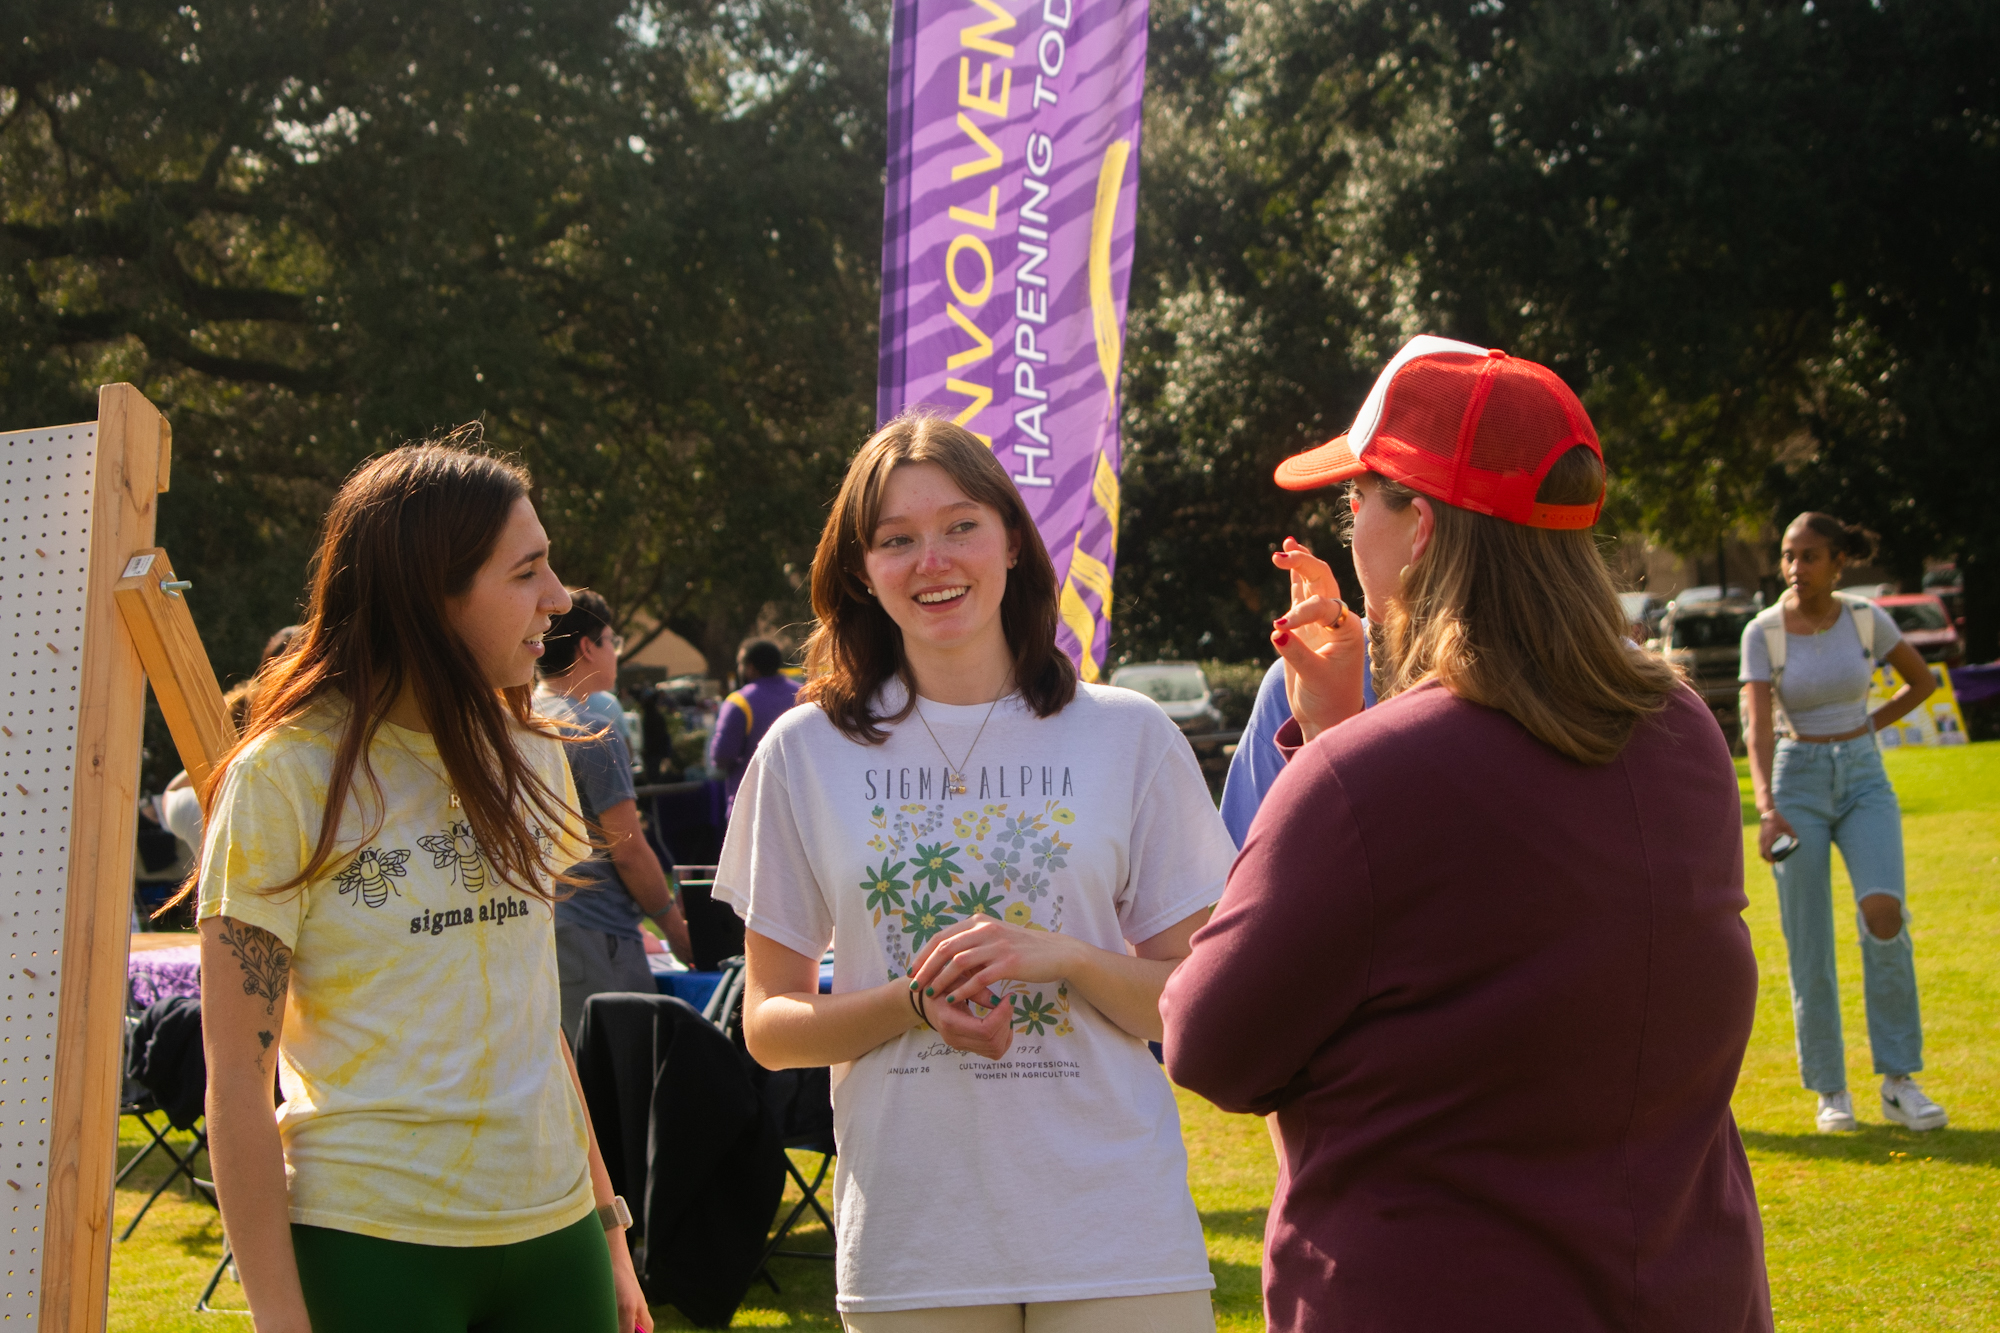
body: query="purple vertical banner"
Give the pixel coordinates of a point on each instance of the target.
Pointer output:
(1007, 253)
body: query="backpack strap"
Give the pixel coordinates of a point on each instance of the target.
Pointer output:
(1863, 611)
(1770, 622)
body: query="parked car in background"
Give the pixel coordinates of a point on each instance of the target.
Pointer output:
(1643, 612)
(1179, 688)
(1948, 585)
(1705, 640)
(1926, 625)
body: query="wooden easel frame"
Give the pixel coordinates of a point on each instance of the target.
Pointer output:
(129, 633)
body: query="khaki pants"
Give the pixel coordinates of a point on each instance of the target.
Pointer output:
(589, 962)
(1176, 1312)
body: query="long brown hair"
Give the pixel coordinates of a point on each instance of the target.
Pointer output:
(1525, 620)
(856, 647)
(406, 532)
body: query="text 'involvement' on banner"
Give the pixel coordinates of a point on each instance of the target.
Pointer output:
(1007, 253)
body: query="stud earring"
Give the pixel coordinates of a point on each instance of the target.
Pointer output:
(1403, 574)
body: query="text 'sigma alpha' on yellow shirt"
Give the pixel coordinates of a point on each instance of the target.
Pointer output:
(426, 1099)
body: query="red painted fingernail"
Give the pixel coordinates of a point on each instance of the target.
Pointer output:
(1284, 639)
(1281, 622)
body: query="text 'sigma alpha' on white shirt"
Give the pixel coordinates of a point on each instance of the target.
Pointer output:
(1057, 1172)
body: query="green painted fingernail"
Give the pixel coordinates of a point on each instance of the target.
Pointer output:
(951, 999)
(913, 985)
(930, 992)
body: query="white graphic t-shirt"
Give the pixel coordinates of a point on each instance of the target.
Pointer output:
(1057, 1172)
(426, 1098)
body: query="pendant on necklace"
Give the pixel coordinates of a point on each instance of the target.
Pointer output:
(954, 783)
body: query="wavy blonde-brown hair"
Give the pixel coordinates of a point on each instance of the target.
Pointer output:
(1525, 620)
(406, 532)
(856, 647)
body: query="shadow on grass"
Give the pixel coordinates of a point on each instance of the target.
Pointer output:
(1236, 1223)
(1883, 1145)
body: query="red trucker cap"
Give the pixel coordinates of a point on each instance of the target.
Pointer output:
(1470, 426)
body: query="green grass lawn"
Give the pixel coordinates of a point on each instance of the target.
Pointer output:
(1883, 1229)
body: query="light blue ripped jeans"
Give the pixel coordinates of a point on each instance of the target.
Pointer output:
(1839, 793)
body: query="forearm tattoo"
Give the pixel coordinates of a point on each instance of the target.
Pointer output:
(266, 963)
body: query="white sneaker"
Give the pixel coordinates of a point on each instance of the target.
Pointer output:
(1904, 1102)
(1836, 1113)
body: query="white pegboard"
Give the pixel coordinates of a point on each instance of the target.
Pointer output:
(45, 492)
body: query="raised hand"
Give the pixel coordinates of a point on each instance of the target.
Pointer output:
(1322, 642)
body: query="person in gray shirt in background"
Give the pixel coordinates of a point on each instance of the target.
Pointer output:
(600, 945)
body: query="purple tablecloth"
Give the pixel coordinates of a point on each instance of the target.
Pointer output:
(161, 974)
(1976, 684)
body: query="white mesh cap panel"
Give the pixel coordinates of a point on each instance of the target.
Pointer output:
(45, 493)
(1369, 418)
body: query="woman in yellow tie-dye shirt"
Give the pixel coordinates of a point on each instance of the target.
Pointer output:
(381, 855)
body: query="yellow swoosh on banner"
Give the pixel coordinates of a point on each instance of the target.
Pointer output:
(1104, 489)
(1095, 575)
(1082, 624)
(1103, 309)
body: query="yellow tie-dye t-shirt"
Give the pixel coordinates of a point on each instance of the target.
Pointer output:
(426, 1097)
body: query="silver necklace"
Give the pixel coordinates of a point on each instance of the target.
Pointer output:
(1819, 629)
(954, 774)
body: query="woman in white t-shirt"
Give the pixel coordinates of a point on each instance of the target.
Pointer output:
(376, 881)
(1008, 865)
(1822, 784)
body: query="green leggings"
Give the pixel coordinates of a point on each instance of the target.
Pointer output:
(551, 1284)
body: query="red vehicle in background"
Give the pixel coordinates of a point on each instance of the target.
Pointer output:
(1927, 625)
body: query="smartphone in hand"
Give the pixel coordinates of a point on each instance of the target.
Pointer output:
(1783, 846)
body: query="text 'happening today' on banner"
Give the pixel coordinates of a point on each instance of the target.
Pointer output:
(1007, 254)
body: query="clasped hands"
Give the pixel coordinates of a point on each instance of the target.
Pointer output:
(1323, 644)
(961, 967)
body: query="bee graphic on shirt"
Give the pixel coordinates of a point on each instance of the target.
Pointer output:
(367, 876)
(455, 847)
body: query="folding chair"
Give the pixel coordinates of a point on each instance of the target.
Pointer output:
(804, 1128)
(809, 1135)
(135, 1101)
(183, 1166)
(201, 1304)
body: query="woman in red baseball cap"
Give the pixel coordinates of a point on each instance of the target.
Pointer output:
(1483, 953)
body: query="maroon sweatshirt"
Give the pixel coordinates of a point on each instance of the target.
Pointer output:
(1498, 1000)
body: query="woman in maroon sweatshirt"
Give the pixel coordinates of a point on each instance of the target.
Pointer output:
(1483, 952)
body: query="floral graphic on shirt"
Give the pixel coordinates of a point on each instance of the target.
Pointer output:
(1007, 865)
(885, 891)
(367, 876)
(1019, 856)
(1018, 829)
(934, 864)
(1034, 1015)
(925, 919)
(455, 847)
(969, 902)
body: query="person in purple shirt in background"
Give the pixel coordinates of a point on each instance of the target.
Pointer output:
(1483, 957)
(749, 711)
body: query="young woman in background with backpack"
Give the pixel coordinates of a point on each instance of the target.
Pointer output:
(1821, 782)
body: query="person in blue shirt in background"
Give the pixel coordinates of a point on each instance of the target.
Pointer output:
(599, 943)
(763, 694)
(1257, 762)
